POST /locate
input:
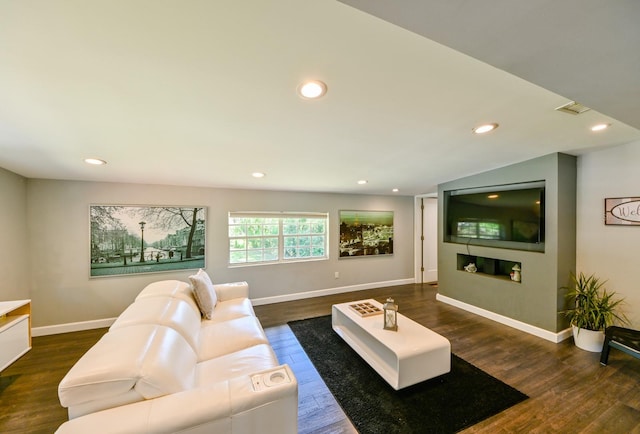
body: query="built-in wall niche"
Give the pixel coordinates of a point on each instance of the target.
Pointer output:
(498, 268)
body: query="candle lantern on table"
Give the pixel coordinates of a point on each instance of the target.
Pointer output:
(390, 315)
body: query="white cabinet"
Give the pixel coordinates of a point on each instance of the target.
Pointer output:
(15, 330)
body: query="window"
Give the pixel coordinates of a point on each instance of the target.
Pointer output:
(480, 229)
(276, 237)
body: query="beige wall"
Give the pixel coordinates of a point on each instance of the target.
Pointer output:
(611, 252)
(58, 221)
(14, 266)
(53, 271)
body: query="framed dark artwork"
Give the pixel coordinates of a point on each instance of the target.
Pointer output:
(146, 239)
(622, 211)
(366, 233)
(528, 232)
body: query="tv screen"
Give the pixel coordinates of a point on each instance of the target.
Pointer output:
(504, 216)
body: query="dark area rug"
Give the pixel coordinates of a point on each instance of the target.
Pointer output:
(445, 404)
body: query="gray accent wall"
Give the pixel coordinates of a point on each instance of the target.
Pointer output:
(538, 299)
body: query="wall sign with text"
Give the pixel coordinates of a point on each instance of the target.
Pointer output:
(622, 211)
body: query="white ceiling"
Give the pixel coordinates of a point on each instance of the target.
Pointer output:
(202, 93)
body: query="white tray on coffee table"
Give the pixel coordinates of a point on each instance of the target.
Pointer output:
(402, 358)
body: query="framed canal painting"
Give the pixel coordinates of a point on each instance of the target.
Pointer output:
(366, 233)
(146, 239)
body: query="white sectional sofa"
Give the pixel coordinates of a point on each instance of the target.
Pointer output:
(164, 368)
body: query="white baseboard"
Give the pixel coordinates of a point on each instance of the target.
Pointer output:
(329, 291)
(102, 323)
(519, 325)
(72, 327)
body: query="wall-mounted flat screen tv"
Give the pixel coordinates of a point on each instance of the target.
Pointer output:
(504, 216)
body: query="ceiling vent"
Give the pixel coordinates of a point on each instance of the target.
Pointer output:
(573, 108)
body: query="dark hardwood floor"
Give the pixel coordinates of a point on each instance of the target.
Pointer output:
(29, 387)
(569, 391)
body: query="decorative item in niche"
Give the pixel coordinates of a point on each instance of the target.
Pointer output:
(366, 233)
(471, 268)
(516, 275)
(622, 211)
(146, 239)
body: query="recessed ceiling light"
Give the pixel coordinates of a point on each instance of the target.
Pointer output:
(395, 190)
(600, 127)
(258, 175)
(482, 129)
(362, 182)
(95, 161)
(493, 196)
(312, 89)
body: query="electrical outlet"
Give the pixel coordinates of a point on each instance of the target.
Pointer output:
(337, 275)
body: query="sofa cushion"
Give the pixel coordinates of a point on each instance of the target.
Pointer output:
(231, 309)
(98, 405)
(153, 360)
(219, 338)
(167, 311)
(169, 366)
(244, 362)
(228, 291)
(170, 288)
(204, 293)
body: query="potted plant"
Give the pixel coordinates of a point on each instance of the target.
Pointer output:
(594, 310)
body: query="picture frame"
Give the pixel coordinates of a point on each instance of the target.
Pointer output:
(169, 237)
(622, 211)
(365, 233)
(525, 231)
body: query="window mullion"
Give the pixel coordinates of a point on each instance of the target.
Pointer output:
(280, 239)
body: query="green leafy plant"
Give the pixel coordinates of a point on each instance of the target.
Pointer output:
(595, 307)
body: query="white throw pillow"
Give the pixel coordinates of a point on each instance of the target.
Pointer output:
(204, 293)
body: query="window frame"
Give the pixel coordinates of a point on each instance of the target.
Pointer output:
(280, 257)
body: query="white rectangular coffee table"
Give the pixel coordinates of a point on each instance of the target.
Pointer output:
(402, 358)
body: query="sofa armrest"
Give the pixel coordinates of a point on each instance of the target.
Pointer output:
(232, 406)
(229, 291)
(266, 405)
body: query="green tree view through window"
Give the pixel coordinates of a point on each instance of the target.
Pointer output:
(256, 238)
(480, 229)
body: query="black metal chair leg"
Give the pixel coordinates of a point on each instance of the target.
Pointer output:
(620, 338)
(604, 355)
